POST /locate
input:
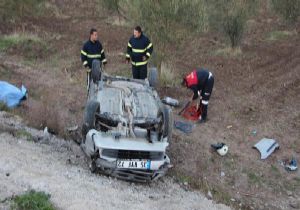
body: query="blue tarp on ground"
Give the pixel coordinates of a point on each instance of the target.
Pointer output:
(11, 95)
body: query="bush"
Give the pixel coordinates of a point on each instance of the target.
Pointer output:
(289, 10)
(32, 200)
(230, 17)
(14, 9)
(112, 5)
(234, 26)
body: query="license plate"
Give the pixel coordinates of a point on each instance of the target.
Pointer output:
(137, 164)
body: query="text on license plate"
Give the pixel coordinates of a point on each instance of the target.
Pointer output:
(139, 164)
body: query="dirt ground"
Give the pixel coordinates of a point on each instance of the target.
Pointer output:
(59, 168)
(257, 90)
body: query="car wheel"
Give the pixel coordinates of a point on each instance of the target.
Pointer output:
(168, 122)
(89, 120)
(153, 77)
(96, 71)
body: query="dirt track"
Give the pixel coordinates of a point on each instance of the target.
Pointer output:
(58, 167)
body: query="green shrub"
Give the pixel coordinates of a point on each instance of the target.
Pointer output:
(230, 17)
(32, 200)
(112, 5)
(16, 9)
(8, 41)
(234, 26)
(289, 10)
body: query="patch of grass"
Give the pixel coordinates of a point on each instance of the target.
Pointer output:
(168, 76)
(184, 178)
(3, 107)
(228, 52)
(254, 178)
(291, 185)
(275, 171)
(221, 195)
(24, 134)
(11, 40)
(279, 35)
(297, 180)
(32, 200)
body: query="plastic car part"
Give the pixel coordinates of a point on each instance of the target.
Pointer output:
(266, 147)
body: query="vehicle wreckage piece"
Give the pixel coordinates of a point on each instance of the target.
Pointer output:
(266, 147)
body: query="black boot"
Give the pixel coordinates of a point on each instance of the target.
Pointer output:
(203, 117)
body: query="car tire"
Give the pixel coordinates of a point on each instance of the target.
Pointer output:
(96, 71)
(168, 122)
(89, 120)
(153, 77)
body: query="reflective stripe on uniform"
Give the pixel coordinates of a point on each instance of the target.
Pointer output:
(93, 56)
(207, 94)
(127, 56)
(104, 60)
(148, 54)
(139, 63)
(138, 50)
(204, 102)
(83, 53)
(84, 63)
(210, 75)
(150, 45)
(129, 45)
(102, 51)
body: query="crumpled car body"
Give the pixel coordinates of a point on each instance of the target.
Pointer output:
(129, 134)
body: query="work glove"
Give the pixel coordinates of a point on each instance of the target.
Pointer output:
(85, 65)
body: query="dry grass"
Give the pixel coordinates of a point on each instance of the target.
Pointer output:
(168, 77)
(16, 38)
(279, 35)
(228, 52)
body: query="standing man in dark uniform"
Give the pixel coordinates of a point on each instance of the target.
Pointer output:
(139, 50)
(91, 50)
(200, 80)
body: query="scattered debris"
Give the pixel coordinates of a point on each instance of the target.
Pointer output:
(46, 136)
(229, 126)
(289, 193)
(222, 174)
(290, 165)
(295, 205)
(221, 148)
(209, 195)
(254, 132)
(73, 128)
(184, 126)
(170, 101)
(266, 147)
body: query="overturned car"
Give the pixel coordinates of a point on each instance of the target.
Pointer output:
(126, 127)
